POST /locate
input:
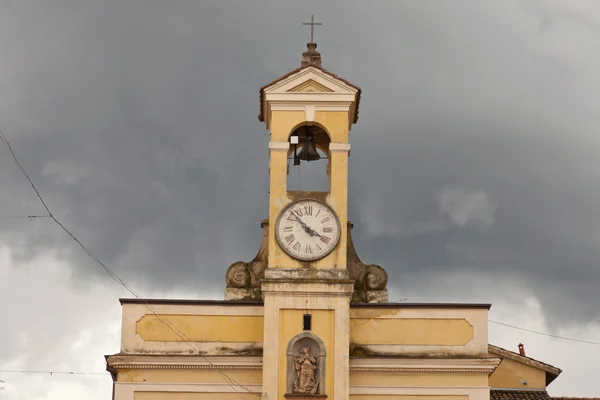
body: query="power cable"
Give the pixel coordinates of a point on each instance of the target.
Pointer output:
(544, 333)
(24, 216)
(231, 382)
(53, 372)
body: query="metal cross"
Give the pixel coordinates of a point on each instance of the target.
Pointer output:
(312, 24)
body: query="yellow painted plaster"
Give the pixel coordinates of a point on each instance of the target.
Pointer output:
(411, 331)
(190, 396)
(187, 376)
(417, 379)
(202, 328)
(322, 326)
(406, 397)
(510, 373)
(283, 123)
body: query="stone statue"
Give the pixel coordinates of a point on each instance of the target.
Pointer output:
(306, 367)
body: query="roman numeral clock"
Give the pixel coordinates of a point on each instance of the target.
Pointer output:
(307, 230)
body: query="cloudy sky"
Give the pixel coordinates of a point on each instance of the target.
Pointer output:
(473, 175)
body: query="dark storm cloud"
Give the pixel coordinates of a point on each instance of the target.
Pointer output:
(479, 122)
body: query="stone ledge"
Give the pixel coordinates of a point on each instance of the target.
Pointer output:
(308, 274)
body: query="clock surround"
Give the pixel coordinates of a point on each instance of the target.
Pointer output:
(308, 229)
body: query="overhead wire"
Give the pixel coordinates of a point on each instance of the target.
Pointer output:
(230, 381)
(21, 371)
(544, 333)
(24, 216)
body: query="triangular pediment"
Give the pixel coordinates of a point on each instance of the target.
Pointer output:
(310, 80)
(310, 86)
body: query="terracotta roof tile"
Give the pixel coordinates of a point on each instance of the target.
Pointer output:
(262, 89)
(499, 394)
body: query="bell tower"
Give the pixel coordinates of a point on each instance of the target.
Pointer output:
(305, 111)
(307, 272)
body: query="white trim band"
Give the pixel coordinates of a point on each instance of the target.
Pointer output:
(279, 145)
(339, 146)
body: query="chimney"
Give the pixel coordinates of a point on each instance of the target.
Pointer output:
(311, 56)
(522, 349)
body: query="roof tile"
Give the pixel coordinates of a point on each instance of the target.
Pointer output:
(499, 394)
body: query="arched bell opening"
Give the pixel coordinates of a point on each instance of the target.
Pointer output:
(308, 159)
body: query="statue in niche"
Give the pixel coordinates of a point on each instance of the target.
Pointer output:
(306, 367)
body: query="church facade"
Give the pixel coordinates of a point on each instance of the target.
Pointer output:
(306, 318)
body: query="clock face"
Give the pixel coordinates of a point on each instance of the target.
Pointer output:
(307, 229)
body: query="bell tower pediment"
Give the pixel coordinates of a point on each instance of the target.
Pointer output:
(312, 86)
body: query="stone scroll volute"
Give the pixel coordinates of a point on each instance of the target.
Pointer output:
(306, 357)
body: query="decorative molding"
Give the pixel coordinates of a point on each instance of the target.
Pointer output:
(311, 97)
(310, 86)
(339, 147)
(301, 106)
(184, 362)
(369, 369)
(309, 111)
(486, 365)
(279, 145)
(184, 366)
(307, 74)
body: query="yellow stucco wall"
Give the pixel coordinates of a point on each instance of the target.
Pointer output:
(406, 397)
(510, 373)
(290, 326)
(202, 328)
(283, 124)
(187, 376)
(411, 331)
(191, 396)
(417, 379)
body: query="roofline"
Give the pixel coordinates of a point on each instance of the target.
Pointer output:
(261, 91)
(551, 371)
(191, 302)
(518, 389)
(260, 303)
(420, 305)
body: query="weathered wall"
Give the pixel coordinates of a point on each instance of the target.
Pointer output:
(430, 332)
(218, 329)
(188, 376)
(188, 396)
(418, 379)
(510, 373)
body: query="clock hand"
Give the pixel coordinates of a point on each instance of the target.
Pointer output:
(313, 232)
(306, 228)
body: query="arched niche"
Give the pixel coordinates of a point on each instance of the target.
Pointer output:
(311, 176)
(294, 353)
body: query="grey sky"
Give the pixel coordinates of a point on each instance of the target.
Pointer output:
(475, 158)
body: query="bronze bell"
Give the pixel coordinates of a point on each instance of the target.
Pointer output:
(309, 150)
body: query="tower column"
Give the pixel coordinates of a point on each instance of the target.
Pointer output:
(290, 295)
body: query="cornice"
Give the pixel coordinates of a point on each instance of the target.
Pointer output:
(184, 362)
(486, 365)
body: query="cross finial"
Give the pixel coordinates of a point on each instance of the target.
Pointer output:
(312, 24)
